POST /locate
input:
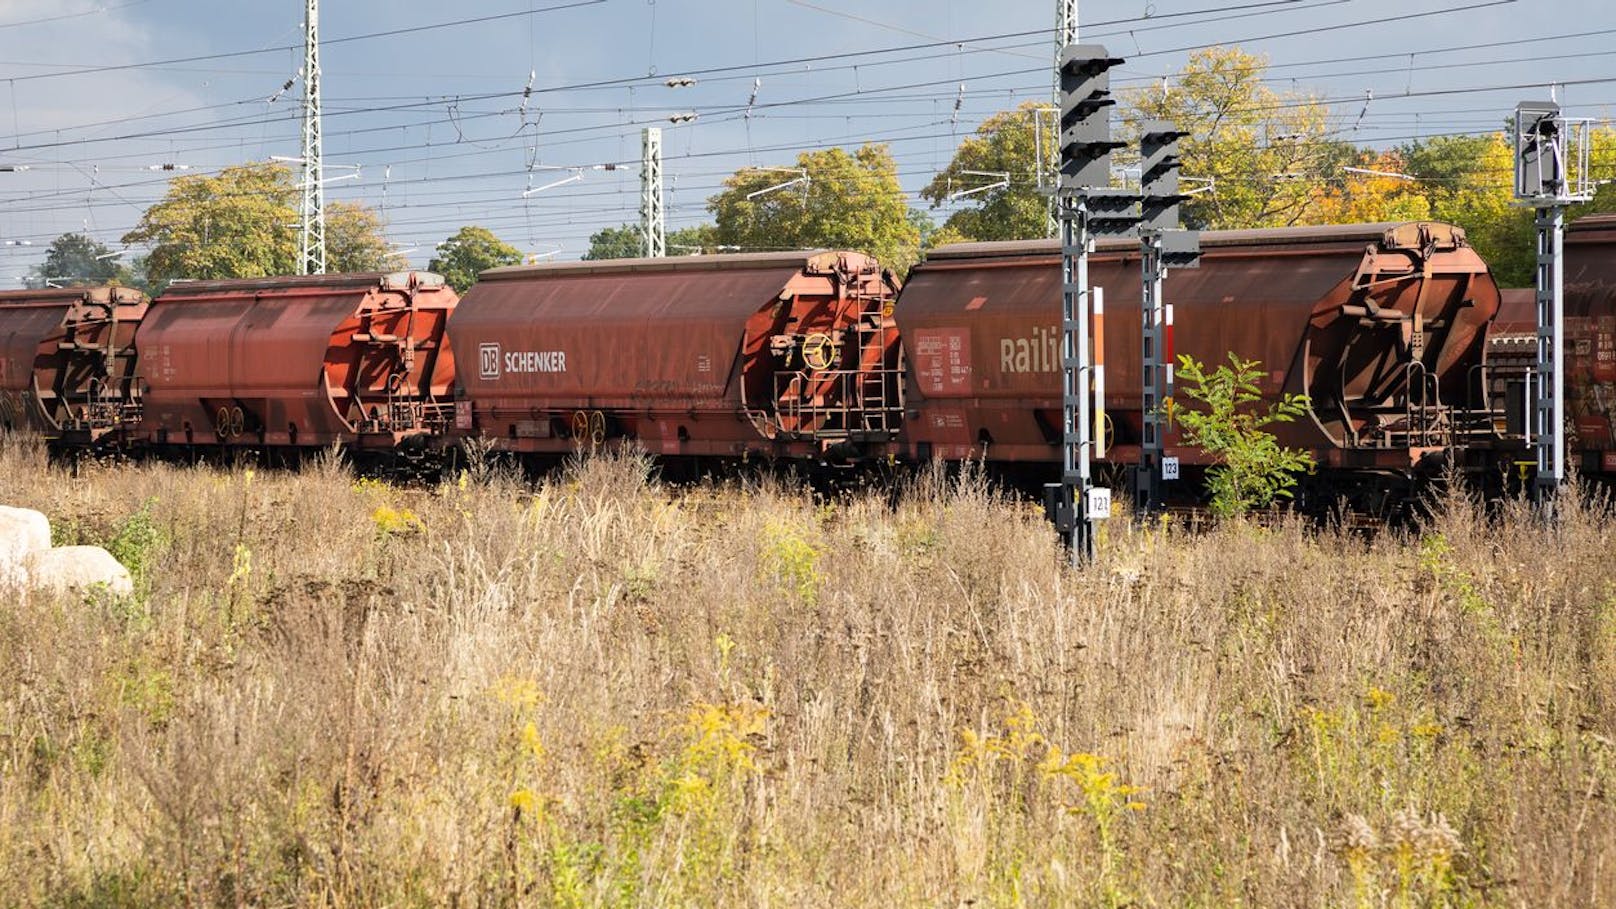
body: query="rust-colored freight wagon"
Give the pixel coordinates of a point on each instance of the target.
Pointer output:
(359, 359)
(67, 361)
(1517, 312)
(789, 354)
(1381, 325)
(1590, 343)
(1590, 347)
(1511, 358)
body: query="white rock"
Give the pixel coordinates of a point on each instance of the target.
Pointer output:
(76, 569)
(38, 526)
(22, 531)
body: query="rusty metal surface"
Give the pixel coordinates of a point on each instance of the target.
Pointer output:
(1330, 312)
(1590, 267)
(67, 359)
(1517, 312)
(1391, 233)
(25, 323)
(396, 280)
(1590, 340)
(1596, 229)
(683, 354)
(811, 259)
(297, 361)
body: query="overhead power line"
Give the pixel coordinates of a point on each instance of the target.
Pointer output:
(1431, 132)
(710, 113)
(1265, 5)
(1451, 49)
(227, 55)
(1365, 23)
(888, 61)
(871, 93)
(89, 12)
(749, 68)
(500, 194)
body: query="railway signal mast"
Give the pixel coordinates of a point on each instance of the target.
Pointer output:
(1087, 209)
(1162, 245)
(1551, 172)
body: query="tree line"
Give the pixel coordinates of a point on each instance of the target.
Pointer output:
(1256, 157)
(243, 223)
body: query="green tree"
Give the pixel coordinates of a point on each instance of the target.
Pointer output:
(241, 223)
(135, 275)
(74, 259)
(1470, 181)
(234, 224)
(1005, 143)
(355, 239)
(1379, 189)
(696, 240)
(926, 228)
(852, 201)
(1252, 469)
(623, 242)
(628, 242)
(471, 250)
(1266, 152)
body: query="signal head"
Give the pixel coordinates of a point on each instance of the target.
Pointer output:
(1159, 165)
(1085, 107)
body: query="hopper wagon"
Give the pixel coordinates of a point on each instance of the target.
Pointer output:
(67, 361)
(1382, 326)
(302, 362)
(772, 354)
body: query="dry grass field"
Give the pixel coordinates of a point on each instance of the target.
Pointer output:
(604, 691)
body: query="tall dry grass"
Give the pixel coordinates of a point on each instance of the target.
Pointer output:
(603, 691)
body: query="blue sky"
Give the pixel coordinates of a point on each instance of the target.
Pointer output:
(452, 144)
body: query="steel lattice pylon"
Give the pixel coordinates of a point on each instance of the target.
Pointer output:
(652, 222)
(1065, 33)
(311, 241)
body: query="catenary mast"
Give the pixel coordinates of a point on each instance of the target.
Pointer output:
(311, 241)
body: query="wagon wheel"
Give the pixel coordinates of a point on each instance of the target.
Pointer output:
(580, 426)
(597, 428)
(221, 423)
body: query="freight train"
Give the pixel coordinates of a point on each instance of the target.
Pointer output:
(358, 360)
(812, 357)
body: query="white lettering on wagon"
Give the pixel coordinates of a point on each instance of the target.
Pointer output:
(1039, 353)
(493, 362)
(535, 361)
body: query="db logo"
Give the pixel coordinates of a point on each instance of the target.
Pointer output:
(488, 361)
